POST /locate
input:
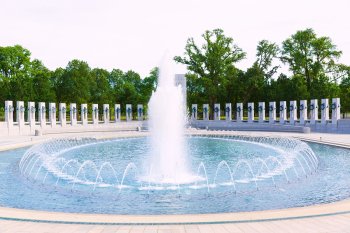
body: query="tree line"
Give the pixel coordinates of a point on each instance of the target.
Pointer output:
(213, 76)
(23, 78)
(313, 71)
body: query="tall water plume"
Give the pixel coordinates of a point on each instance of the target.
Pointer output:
(167, 123)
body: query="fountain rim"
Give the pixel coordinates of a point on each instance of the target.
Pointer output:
(319, 210)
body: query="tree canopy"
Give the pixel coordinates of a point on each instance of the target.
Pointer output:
(23, 78)
(312, 60)
(213, 75)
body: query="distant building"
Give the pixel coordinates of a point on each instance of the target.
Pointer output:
(180, 79)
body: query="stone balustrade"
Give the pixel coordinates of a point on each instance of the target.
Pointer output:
(315, 114)
(298, 112)
(45, 115)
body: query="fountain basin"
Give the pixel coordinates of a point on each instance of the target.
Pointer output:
(234, 174)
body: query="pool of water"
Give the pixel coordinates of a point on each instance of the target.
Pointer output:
(232, 174)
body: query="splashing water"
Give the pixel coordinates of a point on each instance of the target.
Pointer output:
(167, 123)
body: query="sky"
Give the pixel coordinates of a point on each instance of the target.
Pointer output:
(135, 34)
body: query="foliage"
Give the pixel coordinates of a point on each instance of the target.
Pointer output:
(311, 59)
(210, 64)
(212, 75)
(310, 56)
(29, 80)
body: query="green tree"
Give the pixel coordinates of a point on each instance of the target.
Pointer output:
(345, 90)
(211, 64)
(100, 88)
(309, 56)
(15, 73)
(149, 85)
(42, 86)
(266, 53)
(74, 83)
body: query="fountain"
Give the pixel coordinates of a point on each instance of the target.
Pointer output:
(167, 122)
(169, 172)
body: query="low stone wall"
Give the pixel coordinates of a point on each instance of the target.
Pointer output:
(342, 126)
(28, 129)
(245, 126)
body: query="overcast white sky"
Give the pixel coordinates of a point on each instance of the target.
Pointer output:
(134, 34)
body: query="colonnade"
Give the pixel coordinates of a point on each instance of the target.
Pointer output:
(42, 109)
(288, 114)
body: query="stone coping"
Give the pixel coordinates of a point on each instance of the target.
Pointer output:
(329, 209)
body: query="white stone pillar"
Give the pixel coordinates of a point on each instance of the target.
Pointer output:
(217, 112)
(128, 110)
(140, 112)
(335, 110)
(20, 113)
(324, 111)
(62, 114)
(84, 114)
(9, 113)
(239, 112)
(106, 113)
(261, 112)
(31, 114)
(42, 114)
(314, 111)
(73, 114)
(272, 112)
(117, 111)
(206, 112)
(228, 112)
(293, 112)
(283, 112)
(194, 112)
(303, 111)
(95, 114)
(251, 112)
(52, 114)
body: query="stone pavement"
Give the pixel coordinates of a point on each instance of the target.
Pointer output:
(329, 224)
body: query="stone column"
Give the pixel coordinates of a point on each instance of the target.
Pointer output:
(228, 112)
(314, 111)
(251, 112)
(140, 112)
(217, 112)
(106, 113)
(261, 112)
(117, 111)
(324, 111)
(62, 114)
(293, 112)
(283, 112)
(31, 114)
(20, 113)
(73, 114)
(272, 112)
(239, 112)
(84, 114)
(303, 111)
(128, 112)
(194, 111)
(52, 114)
(206, 112)
(335, 110)
(42, 114)
(9, 113)
(95, 114)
